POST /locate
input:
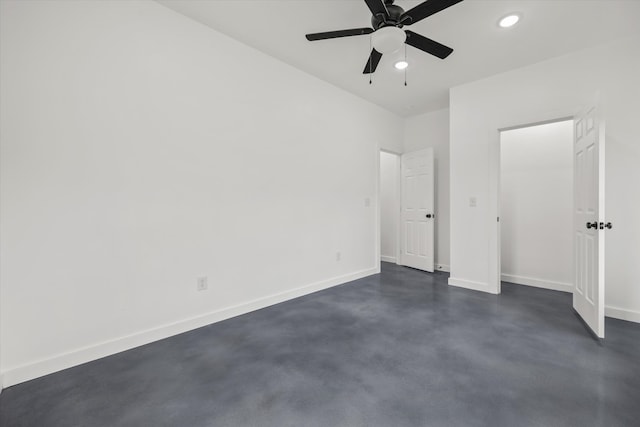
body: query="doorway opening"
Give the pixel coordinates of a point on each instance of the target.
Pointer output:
(407, 209)
(389, 206)
(536, 205)
(589, 221)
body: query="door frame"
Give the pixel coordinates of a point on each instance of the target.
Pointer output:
(379, 205)
(494, 248)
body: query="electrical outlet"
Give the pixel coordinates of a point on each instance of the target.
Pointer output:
(338, 256)
(202, 283)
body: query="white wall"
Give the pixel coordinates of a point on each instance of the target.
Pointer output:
(432, 130)
(141, 150)
(551, 89)
(389, 206)
(536, 205)
(1, 346)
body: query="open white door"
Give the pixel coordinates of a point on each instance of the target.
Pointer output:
(588, 219)
(416, 210)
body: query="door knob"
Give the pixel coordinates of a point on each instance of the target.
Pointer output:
(592, 225)
(428, 215)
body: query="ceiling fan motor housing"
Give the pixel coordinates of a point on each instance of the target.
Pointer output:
(395, 12)
(387, 33)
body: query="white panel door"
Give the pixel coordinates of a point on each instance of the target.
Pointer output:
(588, 152)
(417, 210)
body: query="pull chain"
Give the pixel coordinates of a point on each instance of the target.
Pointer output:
(405, 60)
(370, 55)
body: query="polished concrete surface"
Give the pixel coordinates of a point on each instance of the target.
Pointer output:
(396, 349)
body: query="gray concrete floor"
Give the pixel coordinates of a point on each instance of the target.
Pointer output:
(396, 349)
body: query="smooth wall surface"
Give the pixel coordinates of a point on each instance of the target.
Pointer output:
(547, 90)
(431, 130)
(536, 205)
(141, 150)
(389, 206)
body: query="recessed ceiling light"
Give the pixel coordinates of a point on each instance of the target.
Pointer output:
(401, 65)
(509, 21)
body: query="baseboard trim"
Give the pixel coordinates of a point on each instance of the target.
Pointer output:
(386, 258)
(609, 311)
(29, 371)
(443, 267)
(537, 283)
(622, 314)
(470, 284)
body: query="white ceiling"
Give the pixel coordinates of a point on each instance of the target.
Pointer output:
(548, 28)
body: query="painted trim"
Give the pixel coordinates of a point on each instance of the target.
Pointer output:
(609, 311)
(387, 258)
(532, 118)
(29, 371)
(622, 314)
(398, 206)
(494, 240)
(443, 267)
(469, 284)
(377, 223)
(569, 117)
(537, 283)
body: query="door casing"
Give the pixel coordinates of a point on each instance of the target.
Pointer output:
(544, 117)
(494, 248)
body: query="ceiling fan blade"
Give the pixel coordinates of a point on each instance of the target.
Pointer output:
(377, 7)
(372, 62)
(427, 45)
(425, 9)
(341, 33)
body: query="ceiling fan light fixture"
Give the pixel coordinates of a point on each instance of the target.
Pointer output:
(388, 39)
(509, 20)
(401, 65)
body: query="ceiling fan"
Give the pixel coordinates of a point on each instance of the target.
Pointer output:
(387, 22)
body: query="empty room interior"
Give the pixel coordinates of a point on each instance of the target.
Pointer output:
(319, 213)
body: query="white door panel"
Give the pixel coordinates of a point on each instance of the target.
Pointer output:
(588, 295)
(417, 210)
